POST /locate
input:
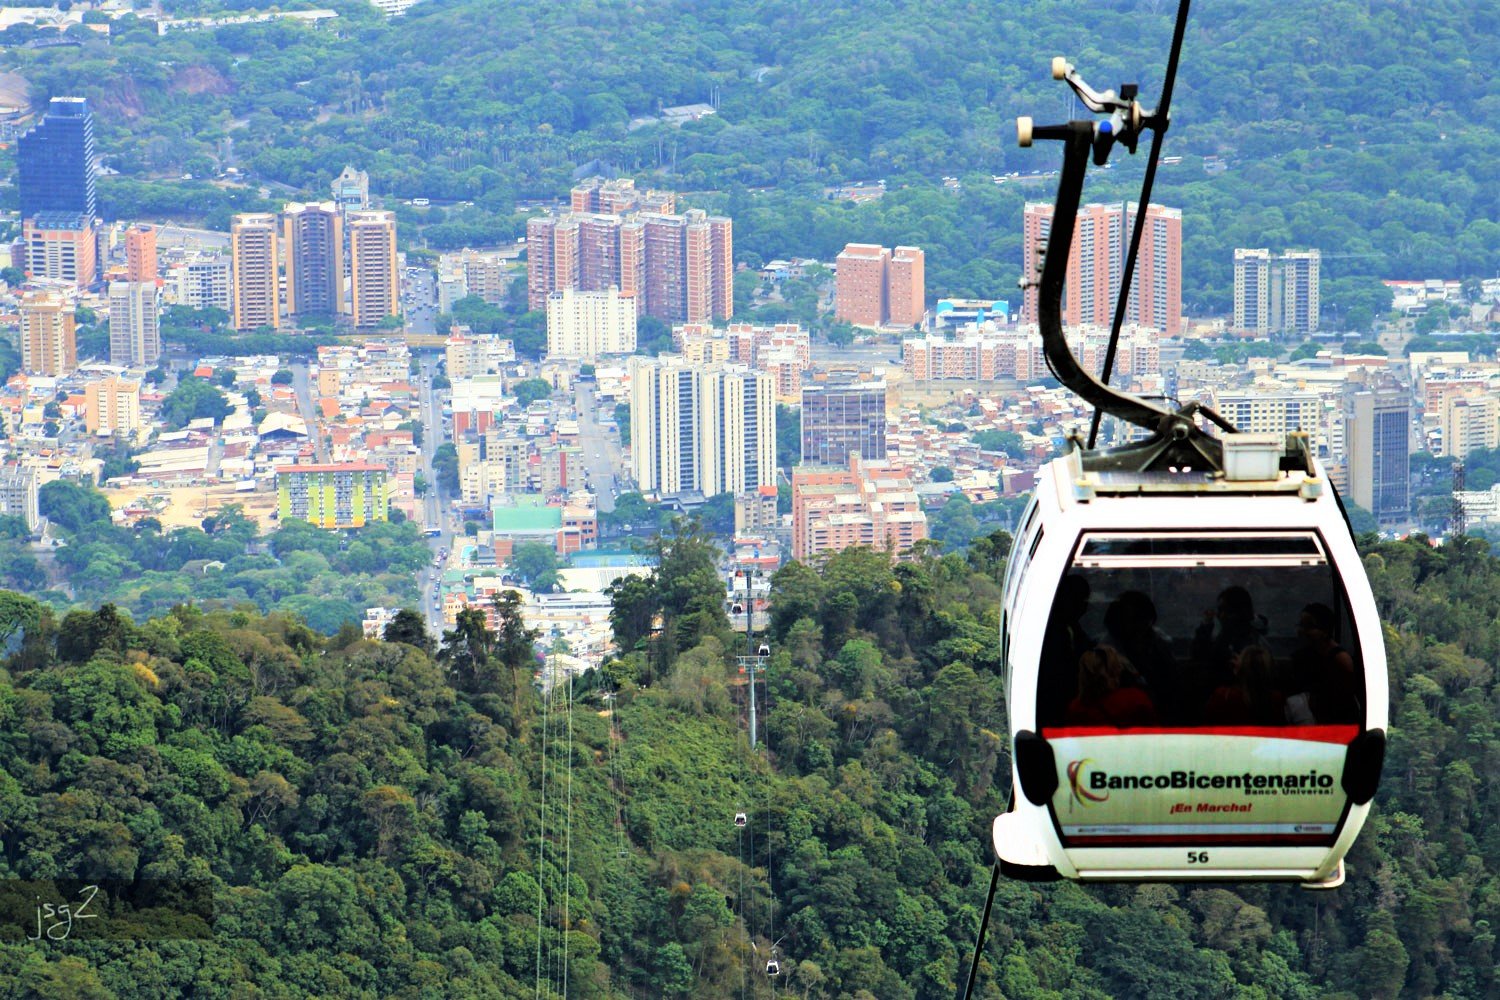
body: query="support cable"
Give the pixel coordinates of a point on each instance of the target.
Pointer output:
(541, 847)
(568, 845)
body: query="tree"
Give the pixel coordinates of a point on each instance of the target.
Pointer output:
(633, 605)
(408, 626)
(1008, 442)
(717, 514)
(622, 422)
(445, 465)
(531, 390)
(193, 399)
(71, 506)
(940, 474)
(514, 642)
(788, 436)
(466, 650)
(652, 337)
(282, 376)
(535, 563)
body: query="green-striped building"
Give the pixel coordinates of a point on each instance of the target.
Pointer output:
(343, 495)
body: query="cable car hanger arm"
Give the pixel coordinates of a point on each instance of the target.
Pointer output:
(1177, 441)
(1163, 121)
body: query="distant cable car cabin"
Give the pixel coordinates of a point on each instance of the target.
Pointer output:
(741, 820)
(763, 650)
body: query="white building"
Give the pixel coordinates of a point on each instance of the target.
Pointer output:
(134, 323)
(694, 429)
(18, 494)
(470, 354)
(584, 325)
(202, 283)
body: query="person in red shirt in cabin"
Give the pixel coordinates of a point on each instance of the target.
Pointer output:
(1102, 700)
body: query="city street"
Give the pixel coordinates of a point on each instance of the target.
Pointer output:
(601, 450)
(301, 384)
(419, 300)
(436, 509)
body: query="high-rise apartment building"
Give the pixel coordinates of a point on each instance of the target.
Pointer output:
(374, 275)
(1469, 423)
(55, 162)
(140, 253)
(1278, 294)
(585, 325)
(599, 253)
(1271, 409)
(1377, 445)
(62, 247)
(1096, 265)
(1300, 291)
(134, 323)
(860, 286)
(312, 237)
(469, 354)
(906, 287)
(678, 267)
(706, 430)
(876, 286)
(551, 258)
(47, 339)
(256, 297)
(840, 419)
(1252, 291)
(112, 405)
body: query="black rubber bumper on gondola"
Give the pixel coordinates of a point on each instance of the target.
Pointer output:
(1037, 767)
(1362, 763)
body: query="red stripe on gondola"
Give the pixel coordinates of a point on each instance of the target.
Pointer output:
(1311, 734)
(1174, 839)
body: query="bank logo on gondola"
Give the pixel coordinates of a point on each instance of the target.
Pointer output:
(1081, 793)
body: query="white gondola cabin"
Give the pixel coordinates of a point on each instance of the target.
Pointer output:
(1194, 666)
(1195, 677)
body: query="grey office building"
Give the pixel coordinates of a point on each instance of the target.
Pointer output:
(840, 419)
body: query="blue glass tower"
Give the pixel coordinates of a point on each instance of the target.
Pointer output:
(56, 161)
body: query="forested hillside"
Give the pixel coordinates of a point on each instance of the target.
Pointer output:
(387, 819)
(1364, 128)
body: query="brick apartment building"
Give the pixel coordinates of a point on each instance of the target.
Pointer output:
(877, 286)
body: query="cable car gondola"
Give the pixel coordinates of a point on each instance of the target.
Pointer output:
(1194, 666)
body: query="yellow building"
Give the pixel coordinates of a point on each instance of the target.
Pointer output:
(374, 277)
(256, 295)
(112, 406)
(47, 340)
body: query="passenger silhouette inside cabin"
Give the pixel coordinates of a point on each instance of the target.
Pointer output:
(1251, 699)
(1130, 627)
(1103, 700)
(1230, 626)
(1062, 644)
(1323, 672)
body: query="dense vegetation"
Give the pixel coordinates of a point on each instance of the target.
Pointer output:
(459, 101)
(328, 578)
(371, 820)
